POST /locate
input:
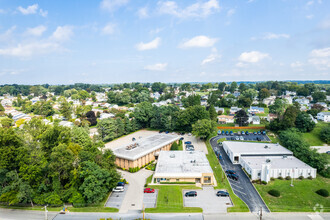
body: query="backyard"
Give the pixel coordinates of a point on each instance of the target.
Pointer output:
(299, 198)
(313, 137)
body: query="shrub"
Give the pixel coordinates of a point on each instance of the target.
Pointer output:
(280, 178)
(174, 146)
(288, 178)
(323, 192)
(264, 182)
(272, 179)
(310, 177)
(301, 177)
(274, 192)
(145, 185)
(325, 134)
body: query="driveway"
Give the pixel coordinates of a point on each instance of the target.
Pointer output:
(208, 201)
(243, 188)
(150, 199)
(116, 198)
(249, 137)
(199, 145)
(134, 196)
(321, 149)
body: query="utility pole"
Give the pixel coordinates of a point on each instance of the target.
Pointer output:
(46, 217)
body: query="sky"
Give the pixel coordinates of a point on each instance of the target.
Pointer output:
(116, 41)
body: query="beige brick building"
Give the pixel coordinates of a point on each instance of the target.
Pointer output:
(144, 150)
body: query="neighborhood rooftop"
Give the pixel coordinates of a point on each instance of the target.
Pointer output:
(256, 148)
(182, 164)
(144, 146)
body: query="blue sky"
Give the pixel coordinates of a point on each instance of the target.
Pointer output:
(114, 41)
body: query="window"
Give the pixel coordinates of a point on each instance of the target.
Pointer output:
(207, 179)
(177, 180)
(259, 174)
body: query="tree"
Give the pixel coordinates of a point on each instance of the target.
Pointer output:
(190, 116)
(185, 87)
(242, 118)
(9, 144)
(222, 86)
(213, 113)
(191, 100)
(244, 101)
(304, 122)
(158, 87)
(6, 122)
(143, 113)
(233, 87)
(264, 93)
(91, 118)
(174, 146)
(66, 109)
(278, 108)
(325, 134)
(2, 109)
(289, 117)
(250, 93)
(204, 128)
(302, 91)
(242, 87)
(319, 97)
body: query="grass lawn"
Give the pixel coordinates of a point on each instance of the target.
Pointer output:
(300, 198)
(239, 205)
(328, 157)
(313, 137)
(149, 179)
(264, 114)
(170, 199)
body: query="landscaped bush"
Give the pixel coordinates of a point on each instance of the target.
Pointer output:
(301, 177)
(288, 178)
(177, 182)
(323, 192)
(310, 177)
(272, 179)
(274, 192)
(280, 178)
(264, 182)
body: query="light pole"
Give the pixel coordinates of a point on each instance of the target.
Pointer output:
(46, 217)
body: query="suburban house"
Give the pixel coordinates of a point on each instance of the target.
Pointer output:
(302, 101)
(323, 104)
(236, 94)
(323, 116)
(217, 109)
(142, 151)
(269, 101)
(184, 166)
(264, 161)
(254, 120)
(106, 115)
(233, 110)
(256, 110)
(225, 119)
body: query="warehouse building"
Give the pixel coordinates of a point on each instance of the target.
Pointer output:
(142, 151)
(184, 166)
(265, 161)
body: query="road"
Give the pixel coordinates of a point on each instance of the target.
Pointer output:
(243, 188)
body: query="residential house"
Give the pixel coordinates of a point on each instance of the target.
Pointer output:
(323, 104)
(256, 110)
(106, 115)
(270, 100)
(323, 116)
(233, 110)
(302, 101)
(218, 110)
(225, 119)
(254, 120)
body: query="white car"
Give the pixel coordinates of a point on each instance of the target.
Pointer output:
(118, 189)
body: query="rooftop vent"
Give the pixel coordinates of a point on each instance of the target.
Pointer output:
(132, 146)
(267, 160)
(172, 156)
(285, 156)
(267, 147)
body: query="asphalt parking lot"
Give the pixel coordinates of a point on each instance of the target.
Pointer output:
(150, 199)
(249, 137)
(208, 201)
(116, 198)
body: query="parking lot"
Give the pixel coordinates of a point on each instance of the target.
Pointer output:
(249, 137)
(116, 198)
(207, 200)
(150, 199)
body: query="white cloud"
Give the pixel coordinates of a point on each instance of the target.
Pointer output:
(109, 29)
(199, 41)
(143, 12)
(230, 12)
(11, 71)
(36, 31)
(156, 31)
(252, 57)
(154, 44)
(212, 57)
(271, 36)
(298, 66)
(43, 13)
(62, 33)
(112, 5)
(156, 67)
(32, 9)
(309, 16)
(320, 58)
(199, 9)
(325, 24)
(8, 34)
(30, 49)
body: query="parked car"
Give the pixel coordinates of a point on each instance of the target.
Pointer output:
(187, 142)
(223, 132)
(148, 190)
(243, 132)
(121, 184)
(118, 189)
(222, 194)
(238, 133)
(190, 147)
(231, 133)
(237, 138)
(219, 132)
(160, 132)
(232, 138)
(191, 194)
(255, 133)
(263, 132)
(232, 176)
(227, 132)
(166, 132)
(182, 138)
(328, 152)
(189, 134)
(259, 132)
(230, 172)
(247, 133)
(258, 139)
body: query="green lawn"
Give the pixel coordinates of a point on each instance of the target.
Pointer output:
(265, 113)
(149, 179)
(328, 157)
(300, 198)
(313, 137)
(239, 205)
(170, 199)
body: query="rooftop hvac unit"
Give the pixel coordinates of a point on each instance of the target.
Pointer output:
(285, 156)
(267, 160)
(172, 156)
(266, 147)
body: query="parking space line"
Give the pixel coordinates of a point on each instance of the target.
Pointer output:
(237, 186)
(239, 191)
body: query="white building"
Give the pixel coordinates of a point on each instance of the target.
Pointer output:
(302, 101)
(106, 115)
(323, 116)
(254, 120)
(264, 161)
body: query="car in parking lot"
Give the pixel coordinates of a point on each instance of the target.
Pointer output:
(231, 133)
(222, 194)
(243, 132)
(237, 138)
(238, 133)
(230, 172)
(190, 194)
(255, 133)
(247, 133)
(118, 189)
(148, 190)
(189, 134)
(181, 138)
(219, 132)
(223, 132)
(121, 184)
(259, 132)
(232, 176)
(241, 138)
(263, 132)
(227, 132)
(190, 147)
(187, 142)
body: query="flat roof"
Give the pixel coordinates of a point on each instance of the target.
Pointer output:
(245, 148)
(276, 162)
(182, 164)
(145, 146)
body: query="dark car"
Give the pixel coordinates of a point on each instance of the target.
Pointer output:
(259, 132)
(263, 132)
(166, 132)
(247, 133)
(121, 184)
(187, 142)
(255, 133)
(160, 132)
(191, 194)
(232, 176)
(231, 133)
(230, 172)
(223, 132)
(227, 132)
(328, 152)
(222, 194)
(232, 138)
(181, 139)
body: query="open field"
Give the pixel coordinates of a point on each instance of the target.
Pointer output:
(299, 198)
(170, 199)
(313, 137)
(239, 205)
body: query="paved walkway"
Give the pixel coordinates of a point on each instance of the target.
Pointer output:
(321, 149)
(134, 196)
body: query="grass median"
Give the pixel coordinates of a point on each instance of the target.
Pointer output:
(239, 205)
(170, 200)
